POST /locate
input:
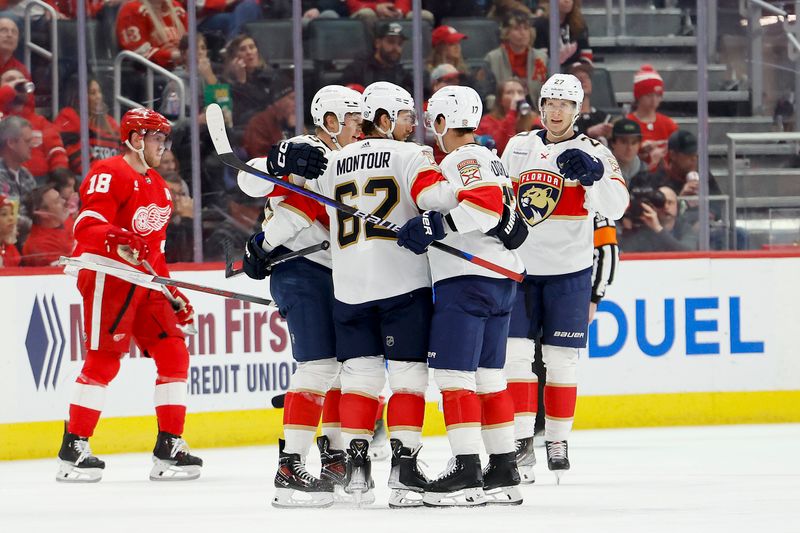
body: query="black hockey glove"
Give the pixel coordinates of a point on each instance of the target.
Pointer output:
(512, 230)
(419, 232)
(296, 158)
(256, 260)
(576, 164)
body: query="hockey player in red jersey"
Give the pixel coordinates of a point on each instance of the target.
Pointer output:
(123, 222)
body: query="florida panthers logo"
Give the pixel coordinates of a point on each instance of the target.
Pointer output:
(150, 218)
(538, 194)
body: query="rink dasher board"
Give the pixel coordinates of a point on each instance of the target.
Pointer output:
(675, 342)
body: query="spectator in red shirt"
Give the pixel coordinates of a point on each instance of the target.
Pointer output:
(103, 129)
(51, 233)
(9, 255)
(274, 123)
(516, 57)
(511, 114)
(152, 29)
(370, 11)
(47, 150)
(9, 39)
(69, 9)
(648, 91)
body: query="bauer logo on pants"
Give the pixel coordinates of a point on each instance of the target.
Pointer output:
(538, 194)
(45, 343)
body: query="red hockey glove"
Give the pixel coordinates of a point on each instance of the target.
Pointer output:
(184, 311)
(129, 246)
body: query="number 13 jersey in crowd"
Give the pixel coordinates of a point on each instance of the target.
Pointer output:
(559, 211)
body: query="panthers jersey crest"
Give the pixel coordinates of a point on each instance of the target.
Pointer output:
(538, 194)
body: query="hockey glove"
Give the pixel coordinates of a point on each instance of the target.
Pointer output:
(128, 245)
(419, 232)
(296, 158)
(184, 312)
(512, 230)
(576, 164)
(256, 260)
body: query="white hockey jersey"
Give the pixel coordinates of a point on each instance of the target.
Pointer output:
(560, 212)
(481, 187)
(291, 219)
(382, 177)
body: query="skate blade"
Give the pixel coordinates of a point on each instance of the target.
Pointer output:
(69, 473)
(473, 497)
(504, 496)
(526, 474)
(559, 474)
(167, 471)
(399, 499)
(348, 500)
(289, 499)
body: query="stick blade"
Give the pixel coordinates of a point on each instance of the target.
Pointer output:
(215, 122)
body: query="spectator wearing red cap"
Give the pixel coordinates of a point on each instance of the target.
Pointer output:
(648, 91)
(516, 57)
(446, 49)
(511, 114)
(47, 150)
(9, 255)
(51, 234)
(574, 43)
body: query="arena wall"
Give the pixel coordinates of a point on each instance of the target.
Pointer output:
(688, 340)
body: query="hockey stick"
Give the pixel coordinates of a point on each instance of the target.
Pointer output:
(188, 329)
(231, 272)
(156, 283)
(216, 129)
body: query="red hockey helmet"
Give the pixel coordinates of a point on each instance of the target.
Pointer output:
(141, 120)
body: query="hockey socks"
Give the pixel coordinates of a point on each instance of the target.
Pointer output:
(559, 409)
(331, 421)
(301, 414)
(497, 422)
(462, 417)
(405, 415)
(526, 399)
(170, 400)
(358, 417)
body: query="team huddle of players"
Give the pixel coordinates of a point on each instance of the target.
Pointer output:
(366, 309)
(505, 245)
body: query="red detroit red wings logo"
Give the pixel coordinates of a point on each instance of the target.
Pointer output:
(150, 218)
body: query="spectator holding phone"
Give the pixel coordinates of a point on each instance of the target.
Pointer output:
(512, 113)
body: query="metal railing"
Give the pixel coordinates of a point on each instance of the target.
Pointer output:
(151, 68)
(733, 138)
(52, 54)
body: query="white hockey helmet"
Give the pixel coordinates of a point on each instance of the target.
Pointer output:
(460, 106)
(335, 99)
(562, 87)
(389, 97)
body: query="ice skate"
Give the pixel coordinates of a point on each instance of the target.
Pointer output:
(334, 470)
(172, 460)
(358, 481)
(406, 480)
(501, 480)
(557, 458)
(295, 487)
(379, 449)
(461, 485)
(76, 464)
(526, 460)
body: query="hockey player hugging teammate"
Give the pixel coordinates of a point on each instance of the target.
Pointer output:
(472, 306)
(560, 179)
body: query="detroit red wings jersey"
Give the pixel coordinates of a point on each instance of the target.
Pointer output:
(114, 194)
(383, 177)
(560, 212)
(291, 219)
(481, 188)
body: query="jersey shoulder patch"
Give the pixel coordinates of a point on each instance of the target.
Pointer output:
(469, 170)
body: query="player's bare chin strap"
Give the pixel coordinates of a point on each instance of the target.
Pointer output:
(139, 152)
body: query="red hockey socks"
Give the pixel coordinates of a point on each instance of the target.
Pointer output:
(526, 399)
(559, 410)
(331, 421)
(405, 415)
(497, 422)
(358, 417)
(301, 412)
(462, 417)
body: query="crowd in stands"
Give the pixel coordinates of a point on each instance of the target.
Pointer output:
(40, 157)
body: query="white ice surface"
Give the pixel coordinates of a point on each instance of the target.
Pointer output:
(677, 480)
